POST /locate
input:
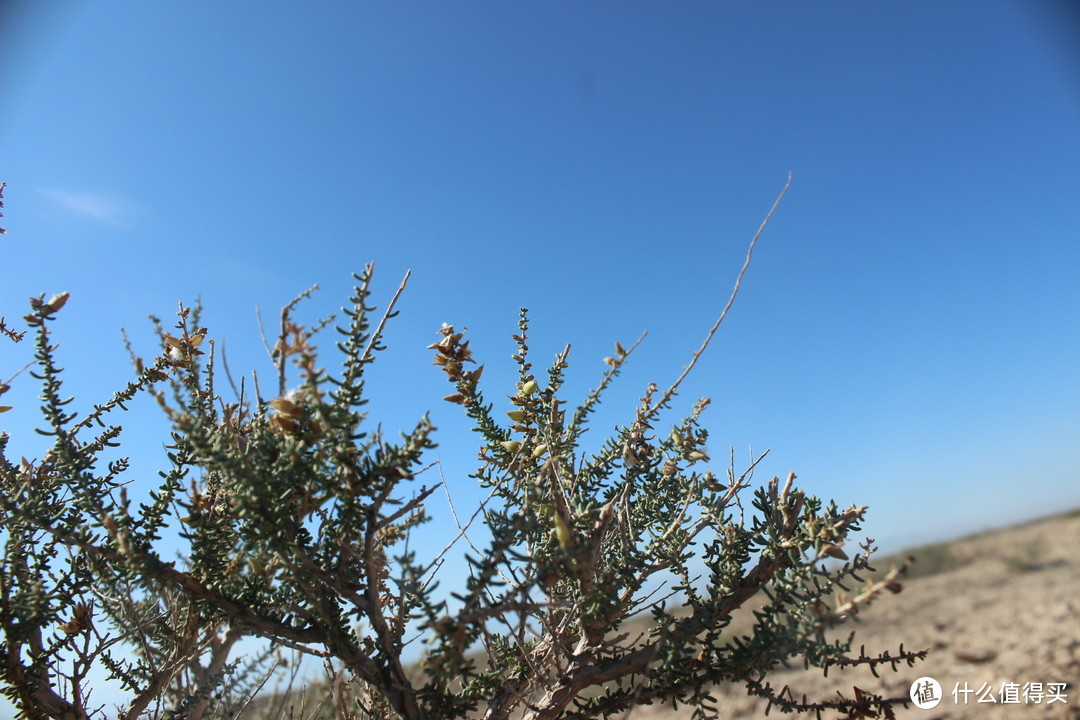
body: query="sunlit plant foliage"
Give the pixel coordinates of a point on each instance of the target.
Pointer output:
(296, 513)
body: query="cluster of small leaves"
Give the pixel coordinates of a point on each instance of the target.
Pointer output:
(581, 541)
(48, 589)
(288, 508)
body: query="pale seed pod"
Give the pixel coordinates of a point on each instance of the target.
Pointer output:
(516, 415)
(539, 450)
(563, 532)
(72, 627)
(511, 446)
(528, 388)
(288, 407)
(834, 551)
(286, 424)
(78, 623)
(57, 301)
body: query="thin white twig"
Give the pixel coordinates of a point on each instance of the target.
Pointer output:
(386, 316)
(462, 530)
(731, 301)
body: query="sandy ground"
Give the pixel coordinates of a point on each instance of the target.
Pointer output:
(1005, 611)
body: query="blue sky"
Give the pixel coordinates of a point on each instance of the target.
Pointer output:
(905, 338)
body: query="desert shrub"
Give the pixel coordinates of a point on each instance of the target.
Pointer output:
(296, 512)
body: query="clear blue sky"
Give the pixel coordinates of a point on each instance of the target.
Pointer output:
(906, 336)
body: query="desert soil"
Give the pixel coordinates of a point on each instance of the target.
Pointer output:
(1003, 607)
